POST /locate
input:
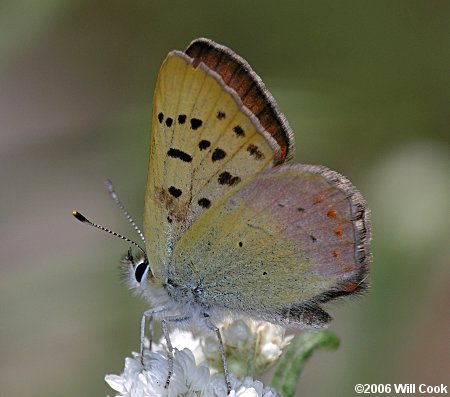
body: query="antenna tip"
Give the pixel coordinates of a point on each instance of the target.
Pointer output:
(80, 217)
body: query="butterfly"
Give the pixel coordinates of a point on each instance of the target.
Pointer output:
(231, 228)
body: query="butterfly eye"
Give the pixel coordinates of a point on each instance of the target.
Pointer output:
(140, 270)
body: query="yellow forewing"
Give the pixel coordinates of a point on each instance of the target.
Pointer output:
(204, 142)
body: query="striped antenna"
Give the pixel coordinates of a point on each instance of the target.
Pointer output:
(83, 219)
(115, 197)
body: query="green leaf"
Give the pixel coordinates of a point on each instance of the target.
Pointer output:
(294, 357)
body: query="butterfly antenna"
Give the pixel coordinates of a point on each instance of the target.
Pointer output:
(83, 219)
(115, 197)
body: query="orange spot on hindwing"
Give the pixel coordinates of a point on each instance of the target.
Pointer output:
(332, 214)
(350, 287)
(317, 200)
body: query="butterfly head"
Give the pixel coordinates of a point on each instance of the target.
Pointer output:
(136, 272)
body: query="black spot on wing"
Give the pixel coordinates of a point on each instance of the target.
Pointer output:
(169, 121)
(225, 178)
(181, 119)
(255, 152)
(220, 115)
(196, 123)
(204, 202)
(160, 117)
(204, 144)
(175, 192)
(179, 154)
(239, 131)
(218, 154)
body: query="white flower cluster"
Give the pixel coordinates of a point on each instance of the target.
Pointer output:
(251, 347)
(188, 379)
(243, 341)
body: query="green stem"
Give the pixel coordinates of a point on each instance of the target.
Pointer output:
(294, 357)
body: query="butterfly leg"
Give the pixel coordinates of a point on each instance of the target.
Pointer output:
(170, 319)
(169, 352)
(147, 314)
(150, 328)
(216, 330)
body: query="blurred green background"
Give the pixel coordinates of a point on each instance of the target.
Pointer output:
(365, 87)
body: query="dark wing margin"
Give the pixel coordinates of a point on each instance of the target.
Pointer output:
(239, 76)
(310, 316)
